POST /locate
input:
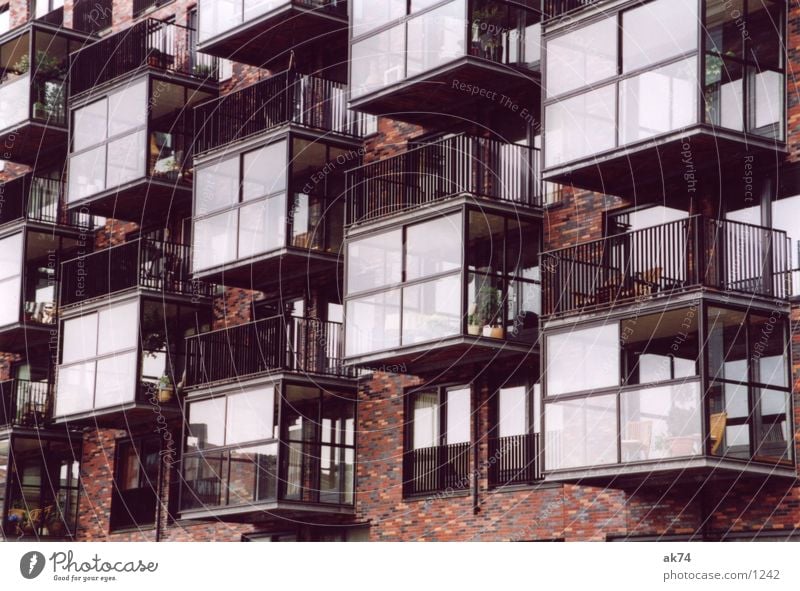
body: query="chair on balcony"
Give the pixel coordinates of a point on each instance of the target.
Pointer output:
(637, 439)
(716, 430)
(648, 282)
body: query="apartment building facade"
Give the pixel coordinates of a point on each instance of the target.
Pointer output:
(315, 270)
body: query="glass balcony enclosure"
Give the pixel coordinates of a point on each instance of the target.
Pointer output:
(33, 93)
(256, 32)
(131, 151)
(618, 82)
(637, 392)
(40, 482)
(117, 360)
(258, 209)
(466, 277)
(270, 447)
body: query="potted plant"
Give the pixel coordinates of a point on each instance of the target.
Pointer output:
(165, 389)
(488, 310)
(474, 324)
(681, 422)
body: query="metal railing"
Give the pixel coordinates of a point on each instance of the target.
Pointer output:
(37, 199)
(462, 164)
(688, 253)
(287, 97)
(24, 403)
(514, 460)
(149, 43)
(432, 469)
(553, 8)
(276, 343)
(150, 264)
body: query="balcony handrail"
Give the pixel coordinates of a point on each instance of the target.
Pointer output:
(280, 342)
(461, 164)
(554, 8)
(152, 43)
(436, 468)
(517, 459)
(696, 251)
(25, 403)
(285, 97)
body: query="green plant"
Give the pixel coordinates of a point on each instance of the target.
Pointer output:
(165, 382)
(46, 65)
(488, 305)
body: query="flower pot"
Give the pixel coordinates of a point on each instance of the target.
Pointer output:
(474, 329)
(681, 446)
(165, 394)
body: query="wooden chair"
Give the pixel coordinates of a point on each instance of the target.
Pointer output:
(716, 430)
(638, 437)
(648, 282)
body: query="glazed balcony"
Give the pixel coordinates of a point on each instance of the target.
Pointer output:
(25, 403)
(287, 98)
(148, 46)
(264, 32)
(37, 199)
(143, 265)
(33, 97)
(473, 59)
(271, 345)
(693, 392)
(696, 254)
(624, 110)
(430, 174)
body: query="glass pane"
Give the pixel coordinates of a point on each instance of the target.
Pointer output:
(253, 474)
(486, 246)
(217, 16)
(581, 433)
(433, 247)
(774, 434)
(662, 422)
(374, 261)
(723, 32)
(458, 416)
(426, 420)
(373, 323)
(126, 159)
(580, 126)
(581, 57)
(432, 310)
(206, 424)
(119, 328)
(127, 108)
(657, 31)
(262, 226)
(765, 24)
(87, 173)
(75, 391)
(80, 338)
(727, 345)
(437, 37)
(251, 416)
(724, 93)
(512, 411)
(10, 294)
(769, 350)
(585, 359)
(766, 90)
(377, 61)
(485, 306)
(216, 186)
(264, 171)
(14, 99)
(128, 469)
(203, 477)
(658, 101)
(368, 14)
(11, 256)
(215, 240)
(116, 380)
(89, 125)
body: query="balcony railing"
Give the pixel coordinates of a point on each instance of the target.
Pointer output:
(690, 253)
(306, 345)
(150, 43)
(454, 166)
(146, 263)
(24, 403)
(288, 97)
(37, 199)
(438, 468)
(516, 460)
(554, 8)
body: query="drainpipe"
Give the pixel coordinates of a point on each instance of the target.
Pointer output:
(476, 508)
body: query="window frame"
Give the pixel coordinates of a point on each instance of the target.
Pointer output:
(119, 505)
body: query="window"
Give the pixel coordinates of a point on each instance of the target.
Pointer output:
(368, 14)
(137, 474)
(581, 57)
(5, 19)
(514, 442)
(786, 217)
(438, 440)
(98, 361)
(10, 278)
(657, 31)
(43, 7)
(240, 206)
(583, 359)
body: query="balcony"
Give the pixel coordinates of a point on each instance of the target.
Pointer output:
(122, 362)
(159, 47)
(131, 156)
(630, 110)
(40, 476)
(692, 255)
(268, 346)
(38, 199)
(431, 173)
(285, 450)
(474, 60)
(263, 33)
(641, 399)
(430, 470)
(518, 460)
(144, 265)
(287, 98)
(457, 284)
(33, 101)
(25, 403)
